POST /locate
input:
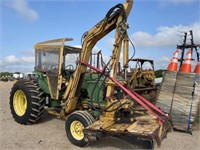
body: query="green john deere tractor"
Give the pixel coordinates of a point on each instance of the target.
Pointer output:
(54, 65)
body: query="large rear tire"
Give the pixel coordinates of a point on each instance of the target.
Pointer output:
(74, 126)
(26, 102)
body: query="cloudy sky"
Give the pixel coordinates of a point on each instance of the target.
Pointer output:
(155, 27)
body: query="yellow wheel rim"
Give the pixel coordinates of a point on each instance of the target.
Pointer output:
(76, 129)
(20, 102)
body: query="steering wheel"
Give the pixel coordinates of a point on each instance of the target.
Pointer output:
(67, 71)
(69, 67)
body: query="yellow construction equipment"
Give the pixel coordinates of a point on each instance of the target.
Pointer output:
(93, 103)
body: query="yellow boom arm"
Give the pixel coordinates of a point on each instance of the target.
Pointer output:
(114, 19)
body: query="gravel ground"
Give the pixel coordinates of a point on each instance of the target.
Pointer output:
(49, 133)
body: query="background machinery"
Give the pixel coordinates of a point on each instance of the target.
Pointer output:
(94, 103)
(141, 78)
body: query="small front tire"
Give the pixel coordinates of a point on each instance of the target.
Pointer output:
(74, 126)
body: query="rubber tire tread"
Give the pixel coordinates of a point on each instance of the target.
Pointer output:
(35, 101)
(86, 119)
(87, 115)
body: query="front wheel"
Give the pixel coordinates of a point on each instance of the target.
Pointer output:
(74, 126)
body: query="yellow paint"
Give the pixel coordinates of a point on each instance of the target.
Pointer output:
(91, 38)
(76, 129)
(20, 102)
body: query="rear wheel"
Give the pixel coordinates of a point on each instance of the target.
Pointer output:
(74, 126)
(26, 102)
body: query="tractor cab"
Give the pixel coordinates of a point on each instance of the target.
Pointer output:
(55, 62)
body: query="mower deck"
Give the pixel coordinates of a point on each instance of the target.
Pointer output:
(144, 127)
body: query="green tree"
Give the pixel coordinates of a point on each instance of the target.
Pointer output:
(5, 74)
(159, 73)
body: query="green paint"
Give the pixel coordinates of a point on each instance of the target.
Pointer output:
(42, 81)
(54, 103)
(95, 91)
